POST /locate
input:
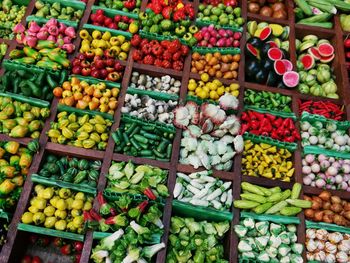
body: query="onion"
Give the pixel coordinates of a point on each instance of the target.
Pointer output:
(325, 196)
(337, 208)
(335, 199)
(306, 170)
(310, 158)
(312, 176)
(309, 213)
(346, 168)
(318, 216)
(326, 205)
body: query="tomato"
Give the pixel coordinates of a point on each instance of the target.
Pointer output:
(26, 259)
(36, 259)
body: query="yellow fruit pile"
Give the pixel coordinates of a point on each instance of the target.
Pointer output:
(57, 208)
(206, 89)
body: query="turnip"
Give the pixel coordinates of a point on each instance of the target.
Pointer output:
(310, 158)
(340, 140)
(321, 157)
(305, 125)
(346, 168)
(305, 135)
(306, 169)
(313, 140)
(338, 179)
(320, 183)
(312, 176)
(324, 164)
(315, 167)
(344, 185)
(307, 180)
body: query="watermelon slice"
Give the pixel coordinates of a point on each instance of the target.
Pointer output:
(325, 49)
(327, 59)
(275, 54)
(308, 61)
(279, 67)
(287, 64)
(314, 52)
(251, 50)
(290, 79)
(265, 33)
(272, 43)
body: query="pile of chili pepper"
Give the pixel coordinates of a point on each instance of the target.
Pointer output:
(325, 108)
(268, 125)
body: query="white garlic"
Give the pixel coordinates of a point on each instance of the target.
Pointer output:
(311, 233)
(321, 234)
(342, 257)
(335, 237)
(330, 248)
(320, 256)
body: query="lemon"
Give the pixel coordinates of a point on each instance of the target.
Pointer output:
(27, 218)
(192, 81)
(50, 222)
(201, 83)
(38, 218)
(198, 90)
(71, 227)
(61, 225)
(38, 188)
(220, 91)
(87, 206)
(213, 95)
(64, 193)
(206, 89)
(61, 214)
(39, 203)
(234, 86)
(205, 77)
(33, 209)
(77, 204)
(217, 82)
(202, 94)
(53, 200)
(192, 86)
(75, 212)
(61, 204)
(78, 221)
(212, 86)
(69, 202)
(80, 196)
(49, 211)
(235, 93)
(191, 93)
(47, 193)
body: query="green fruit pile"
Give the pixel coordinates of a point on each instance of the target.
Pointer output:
(221, 15)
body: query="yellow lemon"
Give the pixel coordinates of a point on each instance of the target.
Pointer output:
(202, 94)
(212, 86)
(77, 204)
(198, 90)
(217, 82)
(205, 77)
(206, 89)
(220, 91)
(213, 95)
(61, 205)
(80, 196)
(49, 211)
(75, 212)
(61, 225)
(192, 81)
(192, 86)
(235, 93)
(227, 89)
(234, 86)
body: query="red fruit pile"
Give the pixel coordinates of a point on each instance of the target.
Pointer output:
(117, 22)
(232, 3)
(105, 67)
(174, 9)
(347, 52)
(269, 125)
(165, 53)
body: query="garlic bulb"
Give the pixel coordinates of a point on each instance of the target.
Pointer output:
(342, 257)
(335, 237)
(311, 233)
(330, 248)
(346, 236)
(344, 245)
(310, 256)
(321, 234)
(330, 258)
(320, 256)
(311, 245)
(320, 244)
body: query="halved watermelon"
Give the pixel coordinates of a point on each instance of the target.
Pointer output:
(325, 49)
(291, 79)
(327, 59)
(279, 67)
(265, 33)
(314, 53)
(275, 54)
(251, 50)
(308, 61)
(287, 64)
(272, 43)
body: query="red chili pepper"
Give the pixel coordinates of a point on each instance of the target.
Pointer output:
(291, 125)
(87, 216)
(256, 132)
(289, 139)
(244, 128)
(244, 116)
(278, 123)
(149, 193)
(274, 135)
(96, 216)
(252, 115)
(285, 123)
(296, 134)
(265, 125)
(254, 124)
(143, 206)
(286, 133)
(265, 134)
(270, 116)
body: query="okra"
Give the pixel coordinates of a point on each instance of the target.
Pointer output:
(115, 138)
(169, 150)
(135, 131)
(158, 154)
(145, 152)
(150, 135)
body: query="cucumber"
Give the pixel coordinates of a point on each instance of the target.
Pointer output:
(254, 197)
(290, 211)
(296, 190)
(304, 6)
(262, 208)
(277, 207)
(299, 203)
(322, 24)
(317, 18)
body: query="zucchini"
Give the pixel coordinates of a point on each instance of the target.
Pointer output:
(304, 6)
(320, 24)
(317, 18)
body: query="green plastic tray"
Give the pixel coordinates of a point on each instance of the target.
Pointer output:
(200, 213)
(273, 112)
(114, 32)
(76, 187)
(92, 80)
(318, 150)
(278, 219)
(14, 65)
(62, 107)
(341, 125)
(42, 20)
(163, 127)
(153, 94)
(201, 23)
(24, 99)
(224, 51)
(200, 101)
(112, 12)
(262, 139)
(326, 226)
(50, 232)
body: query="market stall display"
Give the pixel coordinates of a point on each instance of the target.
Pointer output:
(174, 131)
